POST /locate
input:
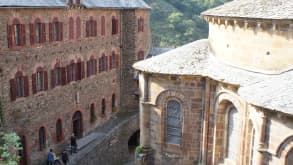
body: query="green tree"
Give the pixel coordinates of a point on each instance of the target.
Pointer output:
(9, 147)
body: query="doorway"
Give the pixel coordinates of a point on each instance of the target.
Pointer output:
(22, 153)
(77, 124)
(133, 142)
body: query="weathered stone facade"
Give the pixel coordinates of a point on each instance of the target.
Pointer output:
(213, 101)
(26, 115)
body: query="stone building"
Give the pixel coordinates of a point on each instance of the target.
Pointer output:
(66, 67)
(227, 99)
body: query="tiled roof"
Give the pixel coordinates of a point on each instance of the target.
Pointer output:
(33, 3)
(115, 4)
(263, 9)
(270, 91)
(129, 4)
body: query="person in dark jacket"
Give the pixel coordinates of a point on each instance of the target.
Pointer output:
(64, 157)
(73, 144)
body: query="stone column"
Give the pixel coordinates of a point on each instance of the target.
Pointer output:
(261, 144)
(144, 112)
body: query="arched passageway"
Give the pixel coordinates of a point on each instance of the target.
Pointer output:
(133, 142)
(77, 124)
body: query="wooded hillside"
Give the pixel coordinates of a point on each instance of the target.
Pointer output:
(177, 22)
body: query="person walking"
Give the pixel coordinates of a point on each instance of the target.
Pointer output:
(73, 144)
(64, 157)
(50, 158)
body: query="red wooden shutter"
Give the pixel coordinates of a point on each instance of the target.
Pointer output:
(9, 36)
(138, 25)
(78, 30)
(82, 70)
(106, 61)
(77, 72)
(95, 61)
(12, 89)
(95, 28)
(87, 28)
(32, 33)
(53, 78)
(23, 40)
(43, 37)
(88, 68)
(117, 60)
(51, 31)
(63, 75)
(116, 26)
(68, 74)
(34, 83)
(110, 62)
(26, 86)
(100, 68)
(71, 28)
(60, 37)
(46, 80)
(103, 26)
(142, 24)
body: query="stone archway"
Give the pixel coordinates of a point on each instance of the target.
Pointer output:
(133, 142)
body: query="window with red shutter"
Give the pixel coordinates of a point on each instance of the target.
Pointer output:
(82, 70)
(60, 37)
(53, 78)
(78, 28)
(103, 24)
(32, 33)
(71, 28)
(23, 39)
(56, 30)
(114, 25)
(110, 62)
(26, 86)
(63, 76)
(19, 86)
(9, 36)
(117, 60)
(43, 37)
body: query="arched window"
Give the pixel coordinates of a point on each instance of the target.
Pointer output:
(56, 30)
(91, 27)
(71, 72)
(113, 102)
(71, 28)
(58, 75)
(92, 113)
(289, 157)
(19, 86)
(37, 32)
(103, 63)
(114, 25)
(174, 123)
(103, 112)
(16, 34)
(59, 130)
(103, 24)
(40, 80)
(42, 138)
(91, 66)
(233, 133)
(112, 60)
(78, 28)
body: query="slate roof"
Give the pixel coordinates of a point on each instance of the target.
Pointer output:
(33, 3)
(270, 91)
(263, 9)
(129, 4)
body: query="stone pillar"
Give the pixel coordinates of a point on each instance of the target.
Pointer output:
(261, 144)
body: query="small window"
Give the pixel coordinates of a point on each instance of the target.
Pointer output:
(59, 130)
(37, 32)
(113, 62)
(93, 117)
(140, 23)
(71, 28)
(91, 67)
(114, 25)
(91, 27)
(140, 55)
(58, 76)
(56, 30)
(79, 70)
(103, 112)
(39, 80)
(103, 63)
(174, 126)
(71, 72)
(42, 138)
(19, 86)
(16, 34)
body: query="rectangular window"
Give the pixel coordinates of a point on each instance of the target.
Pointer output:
(17, 34)
(72, 72)
(56, 31)
(58, 78)
(38, 32)
(40, 81)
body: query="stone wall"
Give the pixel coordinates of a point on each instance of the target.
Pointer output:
(26, 115)
(111, 150)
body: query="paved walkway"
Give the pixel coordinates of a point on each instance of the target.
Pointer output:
(98, 135)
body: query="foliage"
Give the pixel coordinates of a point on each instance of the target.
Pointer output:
(139, 149)
(177, 22)
(9, 147)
